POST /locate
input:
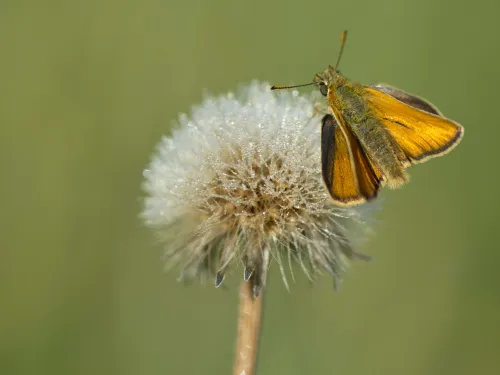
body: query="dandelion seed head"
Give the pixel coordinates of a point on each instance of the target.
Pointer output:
(239, 180)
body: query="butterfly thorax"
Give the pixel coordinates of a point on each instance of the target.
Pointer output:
(344, 97)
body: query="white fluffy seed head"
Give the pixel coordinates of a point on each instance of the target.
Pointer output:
(239, 180)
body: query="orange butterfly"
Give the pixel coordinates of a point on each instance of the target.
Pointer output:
(373, 133)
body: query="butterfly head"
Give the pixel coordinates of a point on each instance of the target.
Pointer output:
(330, 76)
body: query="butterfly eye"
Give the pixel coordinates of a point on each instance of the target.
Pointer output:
(323, 89)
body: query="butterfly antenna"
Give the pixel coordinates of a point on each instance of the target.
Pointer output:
(342, 44)
(290, 87)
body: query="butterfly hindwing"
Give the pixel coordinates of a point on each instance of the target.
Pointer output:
(349, 176)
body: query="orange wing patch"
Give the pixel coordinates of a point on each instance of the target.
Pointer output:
(421, 135)
(348, 174)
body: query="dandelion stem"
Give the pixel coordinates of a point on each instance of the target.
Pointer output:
(249, 322)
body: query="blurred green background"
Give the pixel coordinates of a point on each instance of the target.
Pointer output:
(87, 90)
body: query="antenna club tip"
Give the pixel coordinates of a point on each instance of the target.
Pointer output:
(274, 87)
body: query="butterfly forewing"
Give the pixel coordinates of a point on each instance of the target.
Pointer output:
(411, 100)
(420, 134)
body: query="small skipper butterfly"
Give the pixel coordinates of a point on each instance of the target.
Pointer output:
(371, 134)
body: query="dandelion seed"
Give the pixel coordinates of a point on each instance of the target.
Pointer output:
(239, 181)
